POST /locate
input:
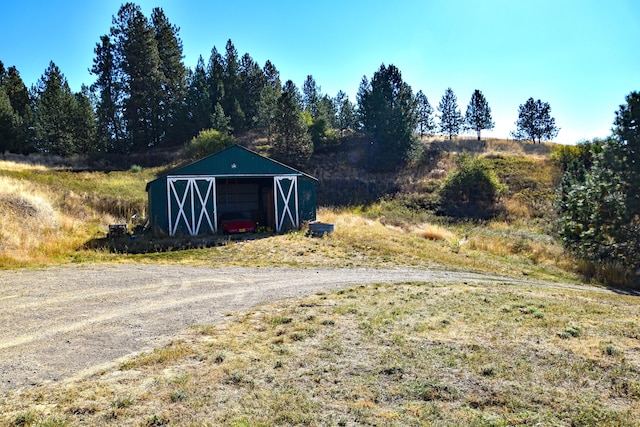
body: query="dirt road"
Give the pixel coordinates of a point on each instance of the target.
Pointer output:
(66, 322)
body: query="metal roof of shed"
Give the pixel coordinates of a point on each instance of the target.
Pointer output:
(235, 161)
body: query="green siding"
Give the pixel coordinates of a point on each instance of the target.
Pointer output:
(236, 162)
(158, 214)
(307, 199)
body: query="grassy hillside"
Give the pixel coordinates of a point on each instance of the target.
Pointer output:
(50, 213)
(47, 213)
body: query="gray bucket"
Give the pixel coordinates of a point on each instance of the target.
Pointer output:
(319, 229)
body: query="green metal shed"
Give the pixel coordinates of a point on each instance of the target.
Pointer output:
(192, 199)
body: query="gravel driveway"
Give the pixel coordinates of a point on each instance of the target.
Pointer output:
(65, 322)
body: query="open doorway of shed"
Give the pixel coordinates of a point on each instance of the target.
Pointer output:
(251, 198)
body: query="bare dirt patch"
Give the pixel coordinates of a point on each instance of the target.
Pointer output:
(68, 322)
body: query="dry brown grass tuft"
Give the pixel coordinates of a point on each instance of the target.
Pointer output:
(435, 232)
(10, 165)
(26, 214)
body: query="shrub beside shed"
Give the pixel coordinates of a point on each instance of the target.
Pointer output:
(191, 200)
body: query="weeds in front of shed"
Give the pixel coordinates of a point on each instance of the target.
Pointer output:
(570, 332)
(25, 419)
(122, 402)
(611, 349)
(175, 350)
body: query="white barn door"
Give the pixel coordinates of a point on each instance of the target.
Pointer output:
(191, 204)
(286, 202)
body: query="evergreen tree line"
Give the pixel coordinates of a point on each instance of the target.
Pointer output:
(48, 118)
(599, 200)
(144, 96)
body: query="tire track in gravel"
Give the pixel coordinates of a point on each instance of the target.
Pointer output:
(56, 323)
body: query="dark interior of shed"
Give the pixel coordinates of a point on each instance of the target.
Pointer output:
(250, 198)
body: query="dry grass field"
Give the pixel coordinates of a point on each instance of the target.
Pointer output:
(467, 354)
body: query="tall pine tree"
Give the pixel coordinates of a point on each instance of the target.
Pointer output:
(478, 115)
(268, 101)
(137, 55)
(111, 131)
(215, 75)
(22, 136)
(425, 115)
(172, 109)
(292, 144)
(198, 99)
(84, 122)
(55, 106)
(451, 119)
(8, 123)
(387, 111)
(252, 80)
(231, 80)
(346, 119)
(272, 76)
(18, 93)
(310, 96)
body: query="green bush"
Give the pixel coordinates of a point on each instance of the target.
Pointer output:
(581, 154)
(472, 190)
(208, 142)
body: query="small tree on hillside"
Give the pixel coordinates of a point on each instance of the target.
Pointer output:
(478, 115)
(425, 115)
(535, 122)
(220, 121)
(451, 120)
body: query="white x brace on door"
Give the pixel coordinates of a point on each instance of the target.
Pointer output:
(286, 199)
(190, 200)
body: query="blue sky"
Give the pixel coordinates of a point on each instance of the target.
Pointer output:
(580, 56)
